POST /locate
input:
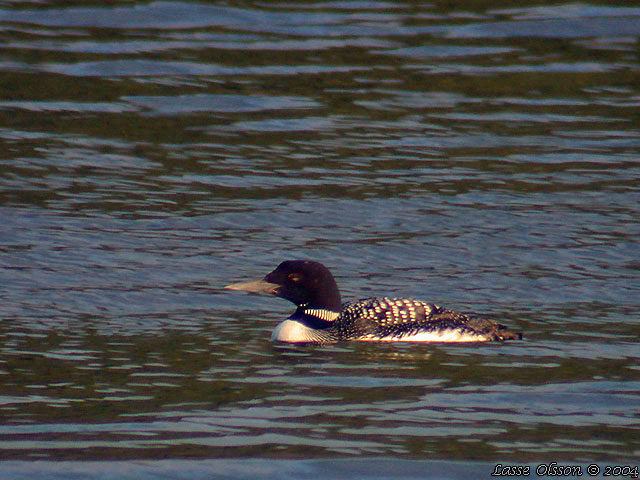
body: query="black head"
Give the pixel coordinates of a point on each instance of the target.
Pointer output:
(302, 282)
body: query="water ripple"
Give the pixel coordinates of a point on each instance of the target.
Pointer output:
(153, 153)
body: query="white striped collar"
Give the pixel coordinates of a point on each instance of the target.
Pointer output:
(322, 314)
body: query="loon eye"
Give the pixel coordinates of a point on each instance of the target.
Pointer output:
(295, 277)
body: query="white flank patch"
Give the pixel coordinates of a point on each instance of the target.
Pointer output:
(293, 332)
(436, 336)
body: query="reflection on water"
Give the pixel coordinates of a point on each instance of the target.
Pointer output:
(152, 153)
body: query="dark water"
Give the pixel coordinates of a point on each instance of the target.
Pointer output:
(482, 155)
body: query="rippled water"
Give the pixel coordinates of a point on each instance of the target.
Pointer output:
(480, 155)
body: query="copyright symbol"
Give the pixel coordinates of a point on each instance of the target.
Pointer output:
(593, 469)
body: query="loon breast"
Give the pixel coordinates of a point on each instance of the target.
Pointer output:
(292, 331)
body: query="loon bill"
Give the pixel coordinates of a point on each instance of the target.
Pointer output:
(320, 316)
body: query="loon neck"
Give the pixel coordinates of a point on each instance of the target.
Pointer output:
(324, 297)
(316, 318)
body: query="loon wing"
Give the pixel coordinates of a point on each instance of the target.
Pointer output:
(398, 319)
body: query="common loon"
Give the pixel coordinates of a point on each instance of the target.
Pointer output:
(321, 317)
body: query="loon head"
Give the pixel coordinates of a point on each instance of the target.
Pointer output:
(303, 282)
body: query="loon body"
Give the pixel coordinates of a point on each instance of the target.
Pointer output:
(321, 317)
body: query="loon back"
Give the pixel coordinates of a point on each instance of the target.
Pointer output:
(408, 320)
(320, 317)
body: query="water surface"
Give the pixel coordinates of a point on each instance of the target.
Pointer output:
(484, 156)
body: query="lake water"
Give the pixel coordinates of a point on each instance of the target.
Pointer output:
(481, 155)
